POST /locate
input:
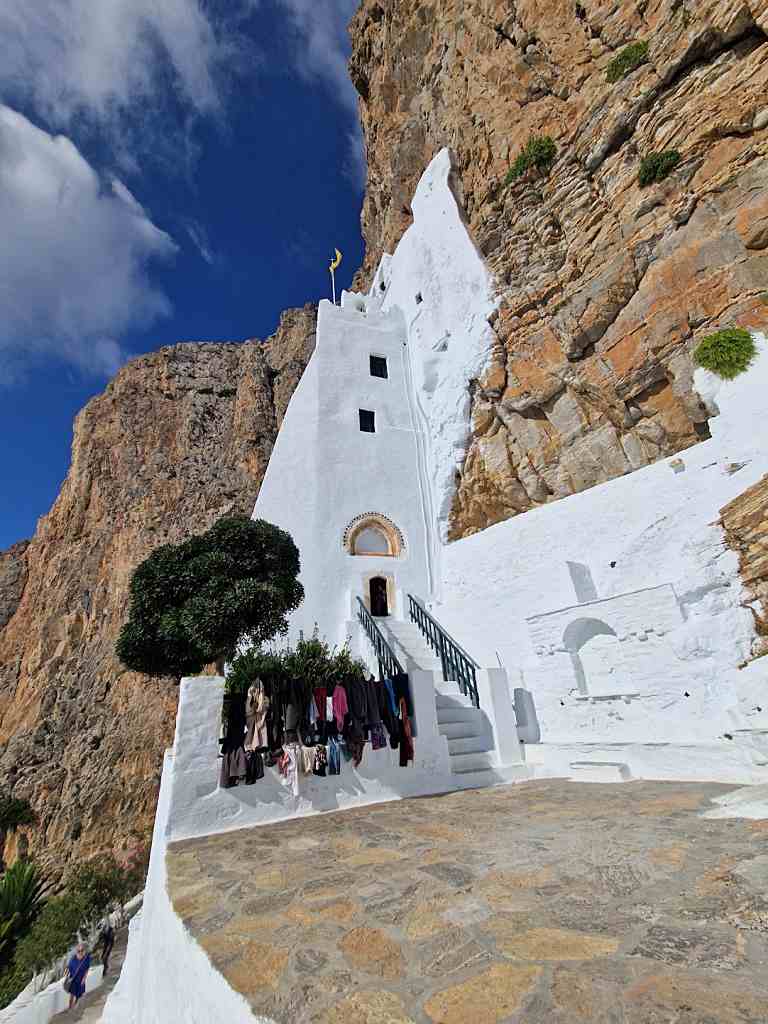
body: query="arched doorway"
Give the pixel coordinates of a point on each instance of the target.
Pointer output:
(585, 640)
(378, 595)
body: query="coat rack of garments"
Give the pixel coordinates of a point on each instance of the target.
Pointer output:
(300, 728)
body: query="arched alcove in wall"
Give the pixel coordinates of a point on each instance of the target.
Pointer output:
(590, 656)
(373, 535)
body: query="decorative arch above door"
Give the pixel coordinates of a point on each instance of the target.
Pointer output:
(373, 535)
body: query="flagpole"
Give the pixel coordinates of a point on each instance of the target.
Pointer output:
(332, 267)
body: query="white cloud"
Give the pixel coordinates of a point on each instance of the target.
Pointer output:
(100, 57)
(199, 238)
(74, 254)
(324, 46)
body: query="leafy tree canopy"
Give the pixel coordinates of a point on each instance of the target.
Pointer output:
(195, 602)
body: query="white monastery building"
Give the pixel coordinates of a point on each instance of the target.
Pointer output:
(598, 637)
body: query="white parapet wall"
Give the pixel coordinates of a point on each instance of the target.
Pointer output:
(166, 975)
(198, 806)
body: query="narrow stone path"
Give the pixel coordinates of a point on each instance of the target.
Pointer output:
(91, 1006)
(546, 903)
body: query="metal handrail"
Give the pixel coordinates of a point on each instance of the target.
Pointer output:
(457, 665)
(389, 666)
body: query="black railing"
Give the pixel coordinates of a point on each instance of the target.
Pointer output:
(457, 665)
(389, 666)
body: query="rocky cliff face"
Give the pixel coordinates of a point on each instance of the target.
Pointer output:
(745, 523)
(179, 438)
(604, 286)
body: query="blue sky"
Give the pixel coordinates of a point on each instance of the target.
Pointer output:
(168, 172)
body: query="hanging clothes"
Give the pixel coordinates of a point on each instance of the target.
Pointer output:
(254, 767)
(378, 739)
(372, 712)
(307, 759)
(256, 708)
(321, 762)
(234, 767)
(340, 705)
(406, 739)
(334, 757)
(289, 766)
(321, 702)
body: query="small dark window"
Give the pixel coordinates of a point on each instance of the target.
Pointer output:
(379, 367)
(367, 421)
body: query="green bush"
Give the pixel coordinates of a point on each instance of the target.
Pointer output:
(15, 812)
(311, 658)
(626, 61)
(726, 353)
(49, 938)
(656, 166)
(193, 603)
(22, 899)
(539, 152)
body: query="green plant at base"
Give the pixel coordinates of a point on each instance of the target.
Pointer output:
(193, 603)
(49, 937)
(626, 61)
(539, 152)
(656, 166)
(22, 899)
(726, 353)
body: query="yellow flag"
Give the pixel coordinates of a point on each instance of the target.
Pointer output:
(336, 261)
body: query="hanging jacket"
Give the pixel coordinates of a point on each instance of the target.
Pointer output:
(372, 712)
(340, 705)
(254, 767)
(256, 707)
(406, 740)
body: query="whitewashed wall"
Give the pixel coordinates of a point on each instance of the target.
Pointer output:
(666, 584)
(325, 472)
(199, 807)
(166, 975)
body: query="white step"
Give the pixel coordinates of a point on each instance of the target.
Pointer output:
(477, 762)
(468, 745)
(459, 713)
(459, 730)
(450, 700)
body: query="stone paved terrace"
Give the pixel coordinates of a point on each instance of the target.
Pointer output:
(546, 902)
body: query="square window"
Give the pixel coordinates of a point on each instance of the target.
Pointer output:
(379, 367)
(367, 421)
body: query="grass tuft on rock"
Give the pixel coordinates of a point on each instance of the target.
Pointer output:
(539, 152)
(726, 353)
(656, 166)
(626, 61)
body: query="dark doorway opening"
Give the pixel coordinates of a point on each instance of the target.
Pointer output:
(378, 591)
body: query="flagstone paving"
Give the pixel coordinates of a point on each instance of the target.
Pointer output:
(550, 902)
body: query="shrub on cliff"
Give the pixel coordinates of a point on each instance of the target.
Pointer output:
(726, 353)
(15, 812)
(656, 166)
(626, 61)
(539, 152)
(193, 603)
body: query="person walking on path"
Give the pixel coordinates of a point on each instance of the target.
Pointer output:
(77, 972)
(106, 940)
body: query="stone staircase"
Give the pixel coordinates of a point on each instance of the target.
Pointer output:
(465, 727)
